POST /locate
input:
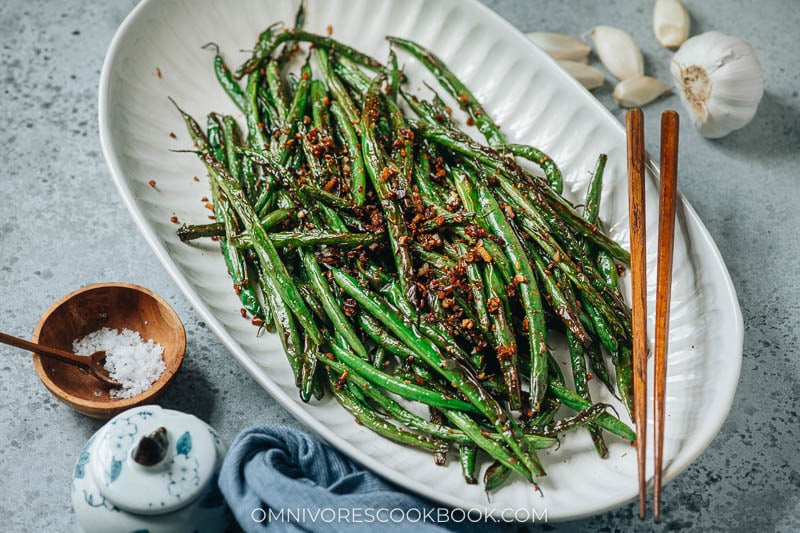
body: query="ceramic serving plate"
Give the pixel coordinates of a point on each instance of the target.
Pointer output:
(157, 53)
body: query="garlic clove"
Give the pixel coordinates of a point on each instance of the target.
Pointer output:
(638, 91)
(618, 51)
(720, 82)
(559, 46)
(671, 23)
(588, 76)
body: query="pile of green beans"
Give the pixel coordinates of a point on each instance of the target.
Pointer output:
(400, 261)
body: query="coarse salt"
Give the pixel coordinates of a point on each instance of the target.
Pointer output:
(134, 363)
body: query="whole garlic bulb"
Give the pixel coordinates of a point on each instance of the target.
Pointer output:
(720, 82)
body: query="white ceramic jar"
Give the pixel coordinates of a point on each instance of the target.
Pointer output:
(150, 470)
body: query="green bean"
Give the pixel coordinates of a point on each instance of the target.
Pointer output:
(392, 407)
(234, 261)
(624, 368)
(377, 169)
(577, 359)
(308, 373)
(217, 229)
(535, 155)
(367, 418)
(429, 191)
(329, 199)
(403, 152)
(505, 343)
(311, 300)
(546, 414)
(349, 73)
(608, 270)
(226, 80)
(438, 261)
(275, 87)
(285, 324)
(466, 458)
(590, 296)
(404, 389)
(435, 333)
(465, 146)
(622, 357)
(448, 219)
(337, 317)
(604, 420)
(583, 418)
(455, 87)
(264, 248)
(394, 75)
(496, 476)
(235, 166)
(299, 22)
(597, 361)
(394, 254)
(214, 136)
(274, 268)
(255, 126)
(495, 449)
(323, 238)
(297, 111)
(195, 131)
(476, 285)
(591, 206)
(266, 46)
(336, 88)
(414, 421)
(531, 299)
(379, 357)
(376, 332)
(357, 172)
(448, 367)
(561, 306)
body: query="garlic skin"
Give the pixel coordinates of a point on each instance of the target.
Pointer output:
(639, 91)
(559, 46)
(720, 82)
(588, 76)
(671, 23)
(618, 51)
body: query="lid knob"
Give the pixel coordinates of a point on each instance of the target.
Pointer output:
(152, 448)
(150, 460)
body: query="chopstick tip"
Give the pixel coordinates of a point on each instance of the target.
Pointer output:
(634, 116)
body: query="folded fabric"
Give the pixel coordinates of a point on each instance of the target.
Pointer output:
(275, 478)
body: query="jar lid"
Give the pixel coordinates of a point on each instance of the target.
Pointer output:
(150, 460)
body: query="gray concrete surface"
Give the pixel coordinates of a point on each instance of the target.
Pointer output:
(62, 226)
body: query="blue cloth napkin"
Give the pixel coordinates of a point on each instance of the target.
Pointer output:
(280, 479)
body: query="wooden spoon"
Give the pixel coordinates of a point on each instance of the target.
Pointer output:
(93, 364)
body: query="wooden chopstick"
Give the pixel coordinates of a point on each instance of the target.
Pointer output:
(636, 198)
(666, 238)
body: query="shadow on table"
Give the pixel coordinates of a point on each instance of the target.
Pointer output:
(774, 132)
(191, 392)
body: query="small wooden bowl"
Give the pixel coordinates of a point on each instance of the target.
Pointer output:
(113, 305)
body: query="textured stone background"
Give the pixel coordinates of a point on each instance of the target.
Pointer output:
(62, 226)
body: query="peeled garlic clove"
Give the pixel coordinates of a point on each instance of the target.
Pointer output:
(720, 82)
(638, 91)
(588, 76)
(671, 23)
(559, 46)
(618, 52)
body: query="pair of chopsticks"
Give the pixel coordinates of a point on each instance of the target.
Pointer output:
(666, 234)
